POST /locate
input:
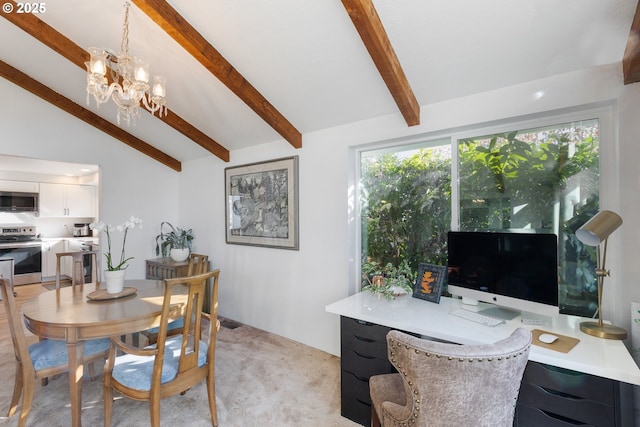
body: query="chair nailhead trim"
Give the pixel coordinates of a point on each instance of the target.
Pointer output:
(416, 406)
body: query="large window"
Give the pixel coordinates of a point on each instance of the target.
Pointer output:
(543, 179)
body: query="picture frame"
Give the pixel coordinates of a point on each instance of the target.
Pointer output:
(261, 204)
(429, 282)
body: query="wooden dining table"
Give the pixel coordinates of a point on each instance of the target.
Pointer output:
(69, 314)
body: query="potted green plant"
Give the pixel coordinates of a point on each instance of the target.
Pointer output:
(175, 242)
(388, 280)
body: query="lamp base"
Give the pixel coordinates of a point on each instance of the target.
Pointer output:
(609, 332)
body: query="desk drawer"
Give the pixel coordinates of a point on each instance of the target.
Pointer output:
(356, 410)
(526, 416)
(566, 407)
(364, 365)
(349, 326)
(572, 383)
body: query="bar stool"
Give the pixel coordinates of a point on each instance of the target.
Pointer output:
(77, 270)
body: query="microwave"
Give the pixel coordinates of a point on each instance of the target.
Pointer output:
(15, 201)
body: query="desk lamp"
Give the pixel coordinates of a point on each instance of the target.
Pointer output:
(593, 233)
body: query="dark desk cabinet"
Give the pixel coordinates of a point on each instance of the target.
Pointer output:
(549, 396)
(557, 397)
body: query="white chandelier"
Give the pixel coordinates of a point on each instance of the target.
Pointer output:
(130, 76)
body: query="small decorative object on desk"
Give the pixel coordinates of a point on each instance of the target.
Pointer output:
(429, 282)
(114, 275)
(388, 281)
(175, 243)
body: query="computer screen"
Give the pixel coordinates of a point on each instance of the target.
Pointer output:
(516, 271)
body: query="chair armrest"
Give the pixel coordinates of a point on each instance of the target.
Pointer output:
(147, 351)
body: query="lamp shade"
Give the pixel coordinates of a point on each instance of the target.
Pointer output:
(598, 228)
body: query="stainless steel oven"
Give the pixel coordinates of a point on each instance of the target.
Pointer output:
(21, 244)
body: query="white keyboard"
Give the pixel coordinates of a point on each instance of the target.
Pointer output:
(477, 317)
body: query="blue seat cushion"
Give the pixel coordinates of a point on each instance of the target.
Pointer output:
(50, 353)
(176, 324)
(135, 371)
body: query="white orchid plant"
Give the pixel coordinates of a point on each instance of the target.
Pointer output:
(132, 222)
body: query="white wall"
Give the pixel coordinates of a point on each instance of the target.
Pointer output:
(284, 291)
(131, 182)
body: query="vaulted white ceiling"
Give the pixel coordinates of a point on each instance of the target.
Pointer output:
(307, 59)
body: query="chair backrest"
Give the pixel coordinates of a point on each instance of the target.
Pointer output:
(197, 264)
(14, 320)
(457, 385)
(7, 270)
(77, 266)
(190, 292)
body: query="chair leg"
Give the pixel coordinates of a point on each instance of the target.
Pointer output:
(107, 397)
(17, 391)
(211, 394)
(375, 421)
(27, 399)
(154, 411)
(92, 372)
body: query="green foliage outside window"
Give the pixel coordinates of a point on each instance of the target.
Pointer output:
(541, 179)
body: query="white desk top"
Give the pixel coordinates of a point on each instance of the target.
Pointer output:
(596, 356)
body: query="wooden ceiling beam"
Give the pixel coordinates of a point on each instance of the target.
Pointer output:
(35, 87)
(631, 58)
(372, 32)
(193, 42)
(55, 40)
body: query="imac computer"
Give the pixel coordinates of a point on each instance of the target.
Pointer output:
(517, 272)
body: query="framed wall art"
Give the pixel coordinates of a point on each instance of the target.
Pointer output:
(262, 204)
(429, 282)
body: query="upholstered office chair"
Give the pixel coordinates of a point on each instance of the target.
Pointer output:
(197, 265)
(77, 270)
(40, 360)
(174, 364)
(444, 385)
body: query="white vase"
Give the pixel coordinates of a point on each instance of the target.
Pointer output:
(114, 280)
(180, 254)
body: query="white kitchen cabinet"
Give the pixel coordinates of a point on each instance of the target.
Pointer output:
(50, 248)
(67, 200)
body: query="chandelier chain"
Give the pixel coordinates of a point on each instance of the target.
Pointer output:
(124, 44)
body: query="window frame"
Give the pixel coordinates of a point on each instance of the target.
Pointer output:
(608, 158)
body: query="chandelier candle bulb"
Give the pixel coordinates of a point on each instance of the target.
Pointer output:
(158, 86)
(98, 61)
(142, 71)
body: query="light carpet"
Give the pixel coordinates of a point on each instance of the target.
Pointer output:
(261, 380)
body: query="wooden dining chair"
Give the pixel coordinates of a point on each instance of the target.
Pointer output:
(198, 264)
(174, 364)
(40, 360)
(77, 269)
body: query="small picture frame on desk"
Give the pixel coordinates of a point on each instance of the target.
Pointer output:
(428, 285)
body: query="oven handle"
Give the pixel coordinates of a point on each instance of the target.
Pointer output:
(9, 245)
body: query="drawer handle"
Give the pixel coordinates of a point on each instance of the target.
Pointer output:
(559, 370)
(561, 394)
(363, 402)
(365, 356)
(358, 337)
(358, 377)
(563, 419)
